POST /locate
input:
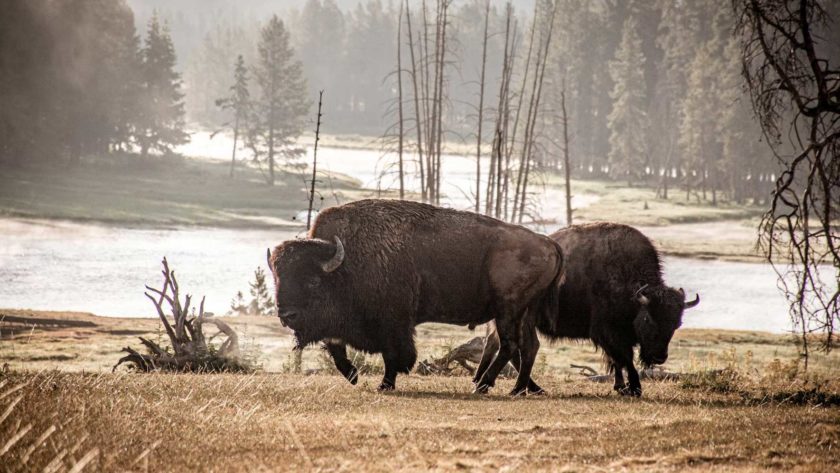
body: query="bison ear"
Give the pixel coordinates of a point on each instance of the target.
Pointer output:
(682, 292)
(337, 259)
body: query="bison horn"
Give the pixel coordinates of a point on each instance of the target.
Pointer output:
(268, 258)
(693, 303)
(337, 259)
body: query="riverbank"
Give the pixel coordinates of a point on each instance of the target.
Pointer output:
(159, 192)
(172, 192)
(76, 341)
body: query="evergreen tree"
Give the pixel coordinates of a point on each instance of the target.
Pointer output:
(283, 105)
(698, 128)
(238, 103)
(261, 301)
(162, 121)
(237, 304)
(628, 120)
(318, 38)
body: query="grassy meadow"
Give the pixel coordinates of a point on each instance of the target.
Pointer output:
(743, 404)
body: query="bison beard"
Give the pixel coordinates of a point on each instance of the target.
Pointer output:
(614, 295)
(374, 269)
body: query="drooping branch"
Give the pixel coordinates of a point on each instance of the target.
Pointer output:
(792, 86)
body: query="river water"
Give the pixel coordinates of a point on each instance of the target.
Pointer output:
(55, 265)
(51, 265)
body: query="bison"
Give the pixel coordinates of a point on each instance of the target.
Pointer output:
(614, 295)
(371, 270)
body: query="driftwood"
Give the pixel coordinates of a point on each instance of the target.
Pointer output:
(656, 374)
(462, 357)
(191, 350)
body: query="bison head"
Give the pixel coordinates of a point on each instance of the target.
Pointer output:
(305, 286)
(660, 315)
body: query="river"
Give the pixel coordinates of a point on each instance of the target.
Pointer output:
(58, 265)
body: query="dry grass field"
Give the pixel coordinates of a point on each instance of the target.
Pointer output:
(61, 409)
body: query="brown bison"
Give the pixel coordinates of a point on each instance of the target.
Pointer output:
(613, 295)
(372, 270)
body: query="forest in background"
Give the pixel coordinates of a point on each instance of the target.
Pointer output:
(653, 88)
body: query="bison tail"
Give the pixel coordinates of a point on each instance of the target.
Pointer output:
(547, 307)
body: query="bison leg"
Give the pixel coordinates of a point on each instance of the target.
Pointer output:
(338, 352)
(491, 347)
(508, 346)
(619, 385)
(634, 387)
(400, 359)
(624, 360)
(527, 355)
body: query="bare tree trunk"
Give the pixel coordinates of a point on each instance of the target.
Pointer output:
(566, 166)
(444, 7)
(399, 103)
(494, 183)
(416, 103)
(235, 137)
(271, 155)
(481, 111)
(314, 161)
(518, 109)
(536, 94)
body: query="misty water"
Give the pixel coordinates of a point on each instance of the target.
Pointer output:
(378, 170)
(51, 265)
(55, 265)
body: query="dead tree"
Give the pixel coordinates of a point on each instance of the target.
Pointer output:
(400, 106)
(481, 109)
(463, 356)
(795, 93)
(190, 350)
(314, 161)
(417, 98)
(564, 119)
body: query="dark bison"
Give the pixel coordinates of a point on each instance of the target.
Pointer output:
(613, 295)
(372, 270)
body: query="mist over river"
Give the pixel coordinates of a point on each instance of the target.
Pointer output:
(60, 265)
(50, 265)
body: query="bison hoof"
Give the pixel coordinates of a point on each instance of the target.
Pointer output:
(518, 392)
(482, 389)
(352, 376)
(386, 387)
(630, 391)
(537, 392)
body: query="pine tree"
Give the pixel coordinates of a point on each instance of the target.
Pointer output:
(698, 128)
(238, 103)
(237, 304)
(162, 123)
(261, 301)
(283, 105)
(628, 120)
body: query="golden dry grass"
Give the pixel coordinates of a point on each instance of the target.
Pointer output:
(761, 413)
(164, 422)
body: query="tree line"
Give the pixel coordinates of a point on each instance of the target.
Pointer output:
(76, 79)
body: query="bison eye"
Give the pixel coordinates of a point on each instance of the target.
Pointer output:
(314, 283)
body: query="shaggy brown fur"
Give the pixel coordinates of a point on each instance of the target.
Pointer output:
(406, 263)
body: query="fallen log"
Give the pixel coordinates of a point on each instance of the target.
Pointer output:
(654, 373)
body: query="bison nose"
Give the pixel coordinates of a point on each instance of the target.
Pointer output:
(659, 360)
(287, 316)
